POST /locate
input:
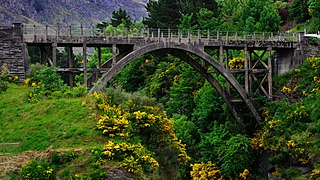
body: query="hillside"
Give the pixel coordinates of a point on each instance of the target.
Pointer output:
(87, 12)
(61, 123)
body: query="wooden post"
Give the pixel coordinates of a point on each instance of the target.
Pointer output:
(114, 54)
(54, 54)
(70, 59)
(179, 35)
(46, 32)
(159, 34)
(218, 35)
(208, 34)
(246, 67)
(189, 35)
(70, 29)
(34, 32)
(270, 73)
(99, 57)
(221, 54)
(236, 36)
(169, 35)
(81, 30)
(85, 76)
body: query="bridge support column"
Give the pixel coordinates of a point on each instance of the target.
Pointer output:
(70, 65)
(85, 76)
(54, 54)
(114, 54)
(221, 54)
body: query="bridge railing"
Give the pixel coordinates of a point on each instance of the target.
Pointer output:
(44, 32)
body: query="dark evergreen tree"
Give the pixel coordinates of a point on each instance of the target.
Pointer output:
(119, 17)
(163, 14)
(298, 10)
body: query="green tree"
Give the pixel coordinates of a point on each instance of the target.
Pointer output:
(182, 91)
(298, 10)
(314, 9)
(163, 14)
(119, 17)
(269, 19)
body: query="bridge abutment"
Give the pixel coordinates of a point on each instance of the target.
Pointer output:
(13, 50)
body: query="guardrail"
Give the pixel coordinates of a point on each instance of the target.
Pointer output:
(80, 31)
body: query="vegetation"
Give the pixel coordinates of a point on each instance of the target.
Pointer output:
(159, 118)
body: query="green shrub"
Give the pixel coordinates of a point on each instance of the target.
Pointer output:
(33, 69)
(37, 170)
(3, 86)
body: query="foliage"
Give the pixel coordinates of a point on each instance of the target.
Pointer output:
(46, 82)
(205, 171)
(120, 16)
(36, 170)
(148, 125)
(314, 11)
(298, 10)
(289, 132)
(163, 14)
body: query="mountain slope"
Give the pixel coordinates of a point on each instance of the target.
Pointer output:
(87, 12)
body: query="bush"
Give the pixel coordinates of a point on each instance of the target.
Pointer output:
(37, 170)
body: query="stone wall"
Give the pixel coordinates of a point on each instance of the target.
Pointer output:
(12, 50)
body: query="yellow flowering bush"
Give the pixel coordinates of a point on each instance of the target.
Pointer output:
(149, 124)
(244, 174)
(236, 63)
(202, 171)
(315, 174)
(132, 157)
(36, 170)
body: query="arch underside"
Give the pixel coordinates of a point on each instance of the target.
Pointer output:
(182, 51)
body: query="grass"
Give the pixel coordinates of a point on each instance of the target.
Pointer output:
(54, 124)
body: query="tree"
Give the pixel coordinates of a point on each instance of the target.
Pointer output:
(314, 9)
(298, 10)
(119, 17)
(163, 14)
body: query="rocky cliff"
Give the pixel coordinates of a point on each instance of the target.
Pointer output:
(52, 12)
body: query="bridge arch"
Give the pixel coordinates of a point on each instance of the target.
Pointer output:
(181, 50)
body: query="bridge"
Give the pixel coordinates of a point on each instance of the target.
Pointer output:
(284, 51)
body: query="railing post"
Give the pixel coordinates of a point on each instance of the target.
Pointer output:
(227, 36)
(34, 32)
(81, 30)
(46, 32)
(179, 35)
(127, 32)
(218, 35)
(58, 31)
(159, 34)
(152, 35)
(70, 31)
(85, 77)
(189, 36)
(148, 33)
(169, 35)
(208, 34)
(263, 38)
(199, 36)
(236, 36)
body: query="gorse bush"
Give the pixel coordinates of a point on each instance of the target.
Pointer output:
(37, 170)
(132, 132)
(45, 82)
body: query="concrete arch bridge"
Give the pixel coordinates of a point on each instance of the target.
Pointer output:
(284, 51)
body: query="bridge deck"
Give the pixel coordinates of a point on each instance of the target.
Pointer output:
(76, 36)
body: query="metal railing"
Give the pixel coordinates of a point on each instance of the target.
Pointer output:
(176, 34)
